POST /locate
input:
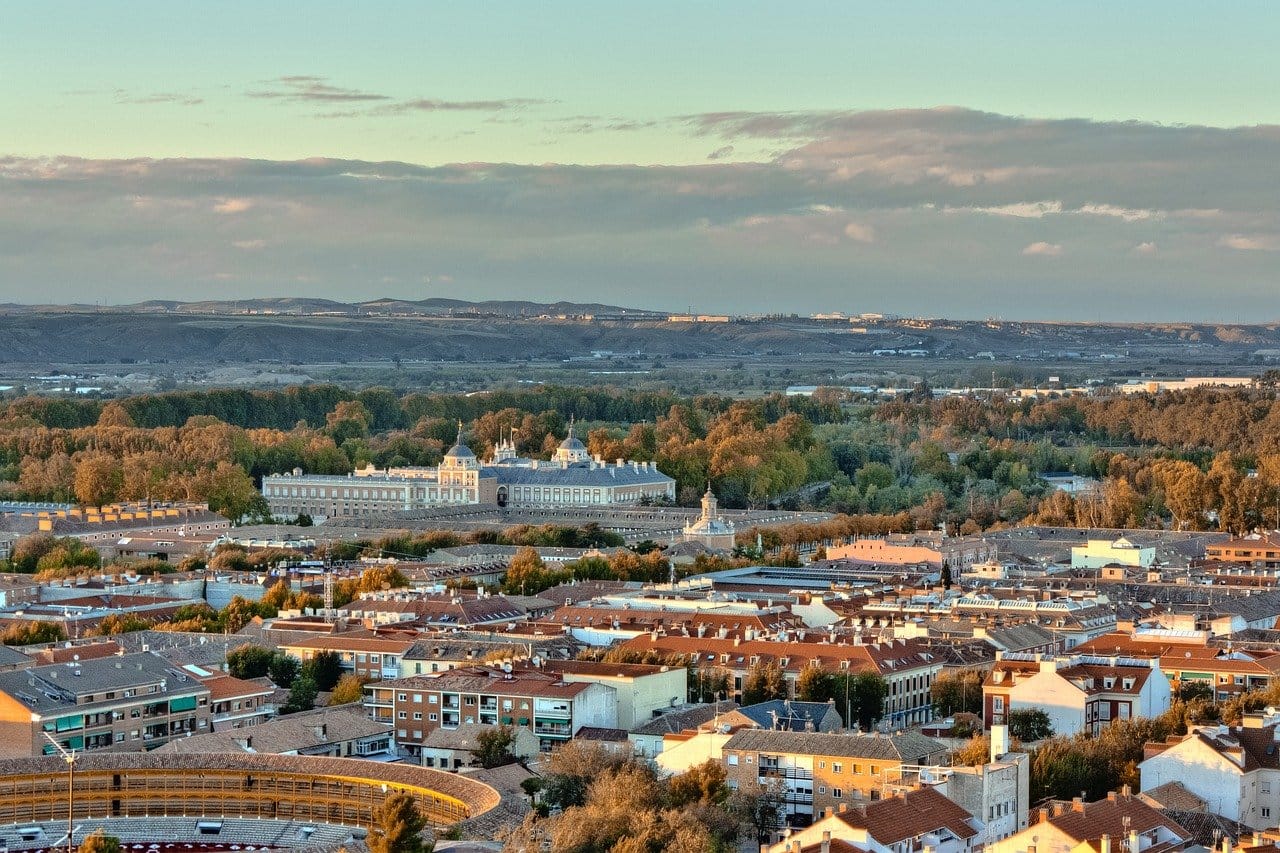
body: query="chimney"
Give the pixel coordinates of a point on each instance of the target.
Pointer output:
(826, 841)
(844, 807)
(1104, 845)
(999, 741)
(1133, 841)
(1044, 815)
(1077, 804)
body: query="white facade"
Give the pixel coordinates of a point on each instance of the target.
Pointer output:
(1218, 776)
(1097, 553)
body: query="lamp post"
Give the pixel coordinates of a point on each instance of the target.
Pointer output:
(70, 758)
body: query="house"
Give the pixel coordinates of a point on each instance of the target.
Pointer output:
(820, 770)
(1258, 550)
(1235, 770)
(647, 738)
(921, 819)
(643, 691)
(1097, 553)
(1121, 822)
(790, 715)
(452, 749)
(1078, 692)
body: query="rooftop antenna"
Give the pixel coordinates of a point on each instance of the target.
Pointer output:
(70, 758)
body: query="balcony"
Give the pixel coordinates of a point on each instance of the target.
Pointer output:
(550, 729)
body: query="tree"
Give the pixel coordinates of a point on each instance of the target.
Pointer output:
(31, 633)
(121, 623)
(704, 784)
(302, 696)
(1030, 724)
(99, 842)
(398, 826)
(324, 668)
(283, 669)
(758, 808)
(493, 747)
(249, 661)
(350, 688)
(98, 479)
(764, 681)
(975, 753)
(958, 693)
(815, 684)
(867, 690)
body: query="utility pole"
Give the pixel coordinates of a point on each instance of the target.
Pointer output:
(70, 758)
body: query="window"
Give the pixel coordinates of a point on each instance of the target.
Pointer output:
(822, 789)
(733, 759)
(402, 715)
(875, 771)
(431, 717)
(431, 699)
(822, 765)
(1266, 811)
(837, 793)
(837, 767)
(400, 697)
(417, 697)
(417, 715)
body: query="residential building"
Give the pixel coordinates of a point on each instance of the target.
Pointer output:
(1078, 692)
(236, 703)
(1097, 553)
(1235, 770)
(1259, 550)
(819, 770)
(344, 731)
(454, 749)
(542, 702)
(996, 792)
(368, 655)
(907, 667)
(122, 703)
(920, 819)
(1121, 822)
(643, 691)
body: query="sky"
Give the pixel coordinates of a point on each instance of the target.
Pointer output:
(1028, 160)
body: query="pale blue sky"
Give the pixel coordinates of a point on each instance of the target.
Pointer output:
(1024, 159)
(63, 62)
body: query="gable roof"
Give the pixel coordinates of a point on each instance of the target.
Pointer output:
(905, 747)
(1117, 815)
(910, 815)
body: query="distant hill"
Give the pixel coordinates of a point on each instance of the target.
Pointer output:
(436, 306)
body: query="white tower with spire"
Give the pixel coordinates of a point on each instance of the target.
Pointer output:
(711, 529)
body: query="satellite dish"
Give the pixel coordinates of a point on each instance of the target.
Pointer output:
(506, 667)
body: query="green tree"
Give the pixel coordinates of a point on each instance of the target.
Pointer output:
(763, 682)
(324, 668)
(398, 826)
(815, 684)
(1030, 724)
(493, 747)
(302, 696)
(283, 669)
(31, 633)
(958, 693)
(249, 661)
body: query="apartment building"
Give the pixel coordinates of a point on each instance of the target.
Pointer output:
(369, 656)
(237, 703)
(552, 708)
(124, 703)
(1258, 550)
(1078, 692)
(818, 770)
(1235, 770)
(907, 666)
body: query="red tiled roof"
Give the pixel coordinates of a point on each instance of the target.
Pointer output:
(910, 815)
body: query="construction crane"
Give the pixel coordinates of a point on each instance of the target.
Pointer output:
(70, 758)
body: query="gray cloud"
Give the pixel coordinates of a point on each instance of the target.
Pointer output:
(937, 211)
(307, 88)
